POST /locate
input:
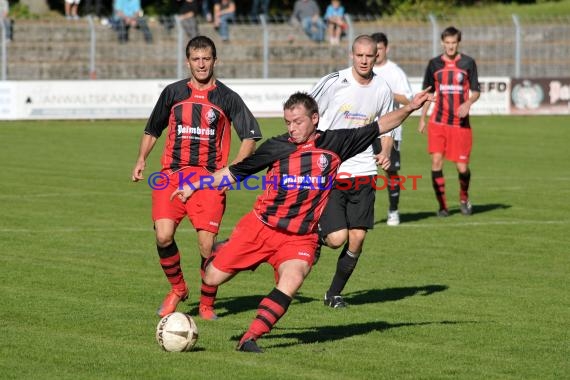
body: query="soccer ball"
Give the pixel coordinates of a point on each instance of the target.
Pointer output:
(176, 332)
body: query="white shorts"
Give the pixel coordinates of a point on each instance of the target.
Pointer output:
(72, 1)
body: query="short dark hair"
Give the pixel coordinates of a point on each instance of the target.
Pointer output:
(380, 38)
(302, 99)
(201, 42)
(451, 31)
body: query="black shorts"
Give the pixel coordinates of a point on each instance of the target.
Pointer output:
(394, 157)
(348, 209)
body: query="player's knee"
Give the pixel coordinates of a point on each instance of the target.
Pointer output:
(164, 239)
(336, 239)
(213, 276)
(205, 248)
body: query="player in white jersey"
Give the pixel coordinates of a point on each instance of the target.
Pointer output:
(351, 98)
(400, 86)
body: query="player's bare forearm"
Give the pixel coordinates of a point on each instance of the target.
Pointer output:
(422, 122)
(464, 108)
(474, 97)
(146, 145)
(393, 119)
(246, 149)
(387, 143)
(401, 99)
(187, 190)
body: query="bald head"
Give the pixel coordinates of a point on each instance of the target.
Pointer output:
(364, 40)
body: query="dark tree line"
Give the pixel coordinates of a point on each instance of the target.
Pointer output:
(284, 7)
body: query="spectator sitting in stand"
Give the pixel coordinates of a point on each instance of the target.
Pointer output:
(307, 13)
(336, 23)
(224, 12)
(4, 12)
(206, 10)
(255, 9)
(71, 7)
(129, 13)
(187, 14)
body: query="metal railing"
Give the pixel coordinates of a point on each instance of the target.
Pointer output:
(269, 48)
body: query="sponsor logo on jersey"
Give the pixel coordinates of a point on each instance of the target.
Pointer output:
(450, 89)
(303, 254)
(357, 117)
(304, 181)
(188, 130)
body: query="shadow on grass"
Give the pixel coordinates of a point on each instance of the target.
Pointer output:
(391, 294)
(234, 305)
(321, 334)
(417, 216)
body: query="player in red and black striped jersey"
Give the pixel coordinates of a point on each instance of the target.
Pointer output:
(453, 76)
(281, 229)
(197, 114)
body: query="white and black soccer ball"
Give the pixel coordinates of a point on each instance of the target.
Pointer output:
(177, 332)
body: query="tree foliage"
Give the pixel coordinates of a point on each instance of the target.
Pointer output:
(408, 8)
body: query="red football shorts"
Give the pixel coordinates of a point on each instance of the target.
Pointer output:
(205, 208)
(453, 142)
(253, 242)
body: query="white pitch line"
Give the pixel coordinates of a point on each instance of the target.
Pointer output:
(489, 223)
(68, 195)
(228, 228)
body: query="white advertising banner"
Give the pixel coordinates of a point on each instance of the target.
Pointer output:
(134, 99)
(495, 95)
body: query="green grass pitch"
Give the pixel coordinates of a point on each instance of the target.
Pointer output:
(480, 297)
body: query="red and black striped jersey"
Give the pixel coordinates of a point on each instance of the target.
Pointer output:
(300, 176)
(198, 123)
(451, 79)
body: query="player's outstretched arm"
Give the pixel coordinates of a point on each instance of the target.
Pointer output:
(188, 189)
(393, 119)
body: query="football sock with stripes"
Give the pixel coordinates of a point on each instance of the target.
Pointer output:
(438, 183)
(394, 193)
(207, 292)
(269, 311)
(170, 262)
(464, 179)
(344, 268)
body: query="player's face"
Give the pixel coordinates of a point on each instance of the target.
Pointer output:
(201, 64)
(300, 125)
(450, 46)
(363, 59)
(381, 54)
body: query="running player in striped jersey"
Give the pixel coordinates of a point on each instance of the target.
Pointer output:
(197, 114)
(453, 77)
(400, 86)
(281, 228)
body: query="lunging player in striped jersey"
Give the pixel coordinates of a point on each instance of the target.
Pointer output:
(351, 98)
(453, 77)
(281, 228)
(197, 114)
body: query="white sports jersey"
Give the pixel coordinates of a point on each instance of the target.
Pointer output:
(399, 84)
(344, 103)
